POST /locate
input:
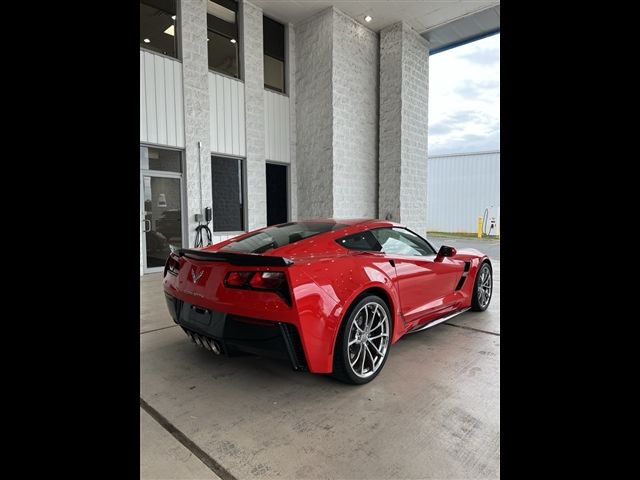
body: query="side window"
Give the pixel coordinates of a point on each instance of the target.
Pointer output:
(360, 241)
(399, 241)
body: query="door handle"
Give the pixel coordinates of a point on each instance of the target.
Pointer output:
(145, 225)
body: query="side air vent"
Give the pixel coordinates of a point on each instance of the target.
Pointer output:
(467, 266)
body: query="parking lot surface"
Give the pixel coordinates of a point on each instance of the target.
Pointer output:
(433, 412)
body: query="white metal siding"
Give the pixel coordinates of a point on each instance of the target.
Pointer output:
(226, 110)
(276, 124)
(459, 188)
(161, 107)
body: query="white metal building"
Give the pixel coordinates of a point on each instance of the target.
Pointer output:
(460, 187)
(267, 112)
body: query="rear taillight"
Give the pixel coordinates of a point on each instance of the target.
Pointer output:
(172, 266)
(237, 279)
(269, 281)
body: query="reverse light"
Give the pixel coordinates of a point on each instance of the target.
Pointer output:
(267, 280)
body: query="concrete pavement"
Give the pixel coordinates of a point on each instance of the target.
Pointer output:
(164, 457)
(433, 412)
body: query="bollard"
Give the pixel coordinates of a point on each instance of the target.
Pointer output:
(479, 227)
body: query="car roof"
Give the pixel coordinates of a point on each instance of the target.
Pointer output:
(351, 221)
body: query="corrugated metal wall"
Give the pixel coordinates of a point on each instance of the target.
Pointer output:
(459, 188)
(161, 107)
(226, 111)
(276, 121)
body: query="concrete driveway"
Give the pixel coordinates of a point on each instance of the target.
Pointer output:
(433, 412)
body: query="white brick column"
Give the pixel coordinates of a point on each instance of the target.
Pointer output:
(197, 175)
(336, 116)
(291, 89)
(314, 115)
(355, 119)
(404, 90)
(253, 75)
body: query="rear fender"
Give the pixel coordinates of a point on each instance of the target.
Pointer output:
(324, 292)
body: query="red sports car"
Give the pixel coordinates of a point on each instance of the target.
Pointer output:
(330, 296)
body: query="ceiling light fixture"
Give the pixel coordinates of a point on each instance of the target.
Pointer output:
(173, 17)
(233, 40)
(146, 40)
(368, 18)
(170, 31)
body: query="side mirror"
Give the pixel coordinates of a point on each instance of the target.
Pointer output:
(445, 252)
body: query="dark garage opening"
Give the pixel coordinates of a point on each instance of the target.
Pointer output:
(277, 211)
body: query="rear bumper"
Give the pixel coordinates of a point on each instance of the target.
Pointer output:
(237, 334)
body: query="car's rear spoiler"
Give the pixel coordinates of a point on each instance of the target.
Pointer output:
(244, 259)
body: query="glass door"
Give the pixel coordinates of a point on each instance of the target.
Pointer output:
(161, 217)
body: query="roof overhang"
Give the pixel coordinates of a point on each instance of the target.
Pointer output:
(463, 30)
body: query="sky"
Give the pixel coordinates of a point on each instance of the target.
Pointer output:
(464, 98)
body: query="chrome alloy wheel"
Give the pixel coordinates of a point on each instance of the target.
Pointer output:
(484, 286)
(368, 339)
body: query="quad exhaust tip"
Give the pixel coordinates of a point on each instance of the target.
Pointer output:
(215, 348)
(204, 342)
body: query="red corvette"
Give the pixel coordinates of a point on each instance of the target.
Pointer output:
(330, 296)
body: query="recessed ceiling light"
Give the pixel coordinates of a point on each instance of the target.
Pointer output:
(233, 40)
(173, 17)
(170, 31)
(146, 40)
(368, 18)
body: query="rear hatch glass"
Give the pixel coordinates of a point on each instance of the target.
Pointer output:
(280, 235)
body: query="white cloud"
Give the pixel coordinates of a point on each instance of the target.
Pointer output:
(464, 98)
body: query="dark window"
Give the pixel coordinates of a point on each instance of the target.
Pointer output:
(274, 237)
(158, 26)
(222, 36)
(152, 158)
(273, 41)
(400, 241)
(360, 241)
(277, 210)
(228, 194)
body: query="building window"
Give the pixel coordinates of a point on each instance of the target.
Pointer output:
(222, 36)
(160, 159)
(158, 26)
(273, 37)
(228, 194)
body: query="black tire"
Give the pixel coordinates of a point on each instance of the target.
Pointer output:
(342, 368)
(480, 300)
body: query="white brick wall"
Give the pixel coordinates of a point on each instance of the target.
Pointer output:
(355, 118)
(253, 74)
(404, 78)
(336, 116)
(345, 84)
(291, 89)
(314, 115)
(193, 25)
